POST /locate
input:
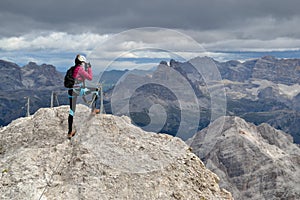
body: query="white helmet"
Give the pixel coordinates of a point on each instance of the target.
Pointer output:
(79, 59)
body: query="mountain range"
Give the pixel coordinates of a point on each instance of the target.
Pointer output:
(253, 149)
(263, 90)
(34, 81)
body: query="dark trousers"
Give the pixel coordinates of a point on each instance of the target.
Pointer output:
(73, 94)
(72, 100)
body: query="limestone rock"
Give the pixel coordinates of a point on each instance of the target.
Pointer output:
(109, 158)
(253, 162)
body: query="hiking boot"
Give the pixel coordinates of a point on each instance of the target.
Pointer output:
(71, 134)
(95, 111)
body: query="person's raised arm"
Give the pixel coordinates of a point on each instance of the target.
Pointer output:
(86, 74)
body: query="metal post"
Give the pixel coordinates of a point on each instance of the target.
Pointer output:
(51, 104)
(28, 107)
(101, 99)
(56, 97)
(53, 98)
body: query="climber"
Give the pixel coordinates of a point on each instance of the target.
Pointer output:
(81, 72)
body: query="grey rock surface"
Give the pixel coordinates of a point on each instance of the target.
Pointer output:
(253, 162)
(109, 158)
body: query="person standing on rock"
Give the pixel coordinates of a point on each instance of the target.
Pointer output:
(82, 71)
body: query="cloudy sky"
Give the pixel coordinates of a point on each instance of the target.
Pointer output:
(53, 31)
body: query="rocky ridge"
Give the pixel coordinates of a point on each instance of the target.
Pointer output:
(254, 162)
(109, 158)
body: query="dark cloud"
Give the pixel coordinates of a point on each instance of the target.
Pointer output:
(218, 25)
(241, 18)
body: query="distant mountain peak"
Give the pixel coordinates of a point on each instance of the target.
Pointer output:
(32, 65)
(202, 58)
(270, 58)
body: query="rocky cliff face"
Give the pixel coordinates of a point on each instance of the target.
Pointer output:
(281, 71)
(109, 158)
(253, 162)
(40, 76)
(31, 76)
(10, 76)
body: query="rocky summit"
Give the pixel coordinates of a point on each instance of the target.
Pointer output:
(109, 158)
(253, 162)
